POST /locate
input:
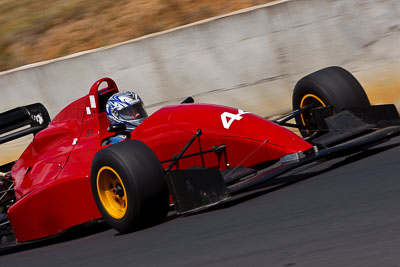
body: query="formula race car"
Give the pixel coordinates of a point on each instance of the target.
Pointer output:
(186, 156)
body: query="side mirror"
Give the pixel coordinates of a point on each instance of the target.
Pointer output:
(187, 100)
(117, 128)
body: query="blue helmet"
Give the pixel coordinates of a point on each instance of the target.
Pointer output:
(126, 107)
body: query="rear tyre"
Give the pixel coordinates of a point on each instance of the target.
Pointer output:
(332, 86)
(128, 186)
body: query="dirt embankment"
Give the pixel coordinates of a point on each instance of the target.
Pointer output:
(37, 30)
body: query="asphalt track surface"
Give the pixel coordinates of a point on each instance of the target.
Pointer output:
(343, 213)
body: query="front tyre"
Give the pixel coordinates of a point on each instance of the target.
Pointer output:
(128, 186)
(332, 86)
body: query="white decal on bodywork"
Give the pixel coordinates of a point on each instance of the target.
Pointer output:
(232, 117)
(75, 141)
(92, 101)
(38, 118)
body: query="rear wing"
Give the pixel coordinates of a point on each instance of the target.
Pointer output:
(21, 121)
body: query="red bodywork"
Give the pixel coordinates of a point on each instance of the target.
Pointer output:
(52, 183)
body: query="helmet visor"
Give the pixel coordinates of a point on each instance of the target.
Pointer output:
(133, 112)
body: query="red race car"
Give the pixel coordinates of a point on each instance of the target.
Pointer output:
(188, 156)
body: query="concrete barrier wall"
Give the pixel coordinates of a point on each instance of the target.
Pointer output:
(250, 59)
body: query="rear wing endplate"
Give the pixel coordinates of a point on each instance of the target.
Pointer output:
(21, 121)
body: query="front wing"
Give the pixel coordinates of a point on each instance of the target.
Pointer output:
(351, 131)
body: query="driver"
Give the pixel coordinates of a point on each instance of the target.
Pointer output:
(125, 107)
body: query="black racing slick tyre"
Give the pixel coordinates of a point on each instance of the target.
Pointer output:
(332, 86)
(128, 186)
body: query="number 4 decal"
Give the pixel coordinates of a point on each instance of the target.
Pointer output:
(228, 118)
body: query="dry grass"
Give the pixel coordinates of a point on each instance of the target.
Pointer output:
(37, 30)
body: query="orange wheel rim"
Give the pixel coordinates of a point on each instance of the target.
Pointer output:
(307, 100)
(112, 193)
